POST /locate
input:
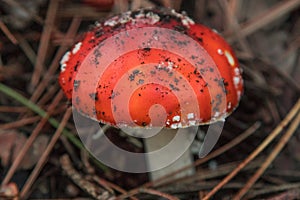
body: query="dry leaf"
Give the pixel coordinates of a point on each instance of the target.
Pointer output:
(11, 143)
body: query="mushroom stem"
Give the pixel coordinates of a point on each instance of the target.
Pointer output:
(160, 140)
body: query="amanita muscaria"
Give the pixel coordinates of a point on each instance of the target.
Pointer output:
(126, 66)
(100, 4)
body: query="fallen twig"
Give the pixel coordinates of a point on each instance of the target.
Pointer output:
(266, 18)
(282, 142)
(7, 32)
(31, 139)
(273, 189)
(258, 150)
(44, 43)
(291, 194)
(92, 189)
(45, 155)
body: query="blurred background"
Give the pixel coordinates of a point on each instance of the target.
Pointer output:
(42, 157)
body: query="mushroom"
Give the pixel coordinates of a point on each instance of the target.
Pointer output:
(100, 4)
(150, 70)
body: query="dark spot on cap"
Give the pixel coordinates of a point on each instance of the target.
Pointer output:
(144, 124)
(141, 81)
(99, 32)
(194, 57)
(136, 71)
(94, 96)
(200, 39)
(76, 66)
(179, 28)
(131, 77)
(76, 85)
(77, 100)
(201, 62)
(147, 49)
(173, 87)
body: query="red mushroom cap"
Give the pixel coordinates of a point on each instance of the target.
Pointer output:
(100, 4)
(126, 69)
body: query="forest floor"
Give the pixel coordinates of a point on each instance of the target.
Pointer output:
(256, 157)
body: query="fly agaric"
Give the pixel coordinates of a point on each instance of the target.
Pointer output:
(127, 65)
(100, 4)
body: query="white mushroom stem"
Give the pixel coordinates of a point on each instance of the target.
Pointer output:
(160, 140)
